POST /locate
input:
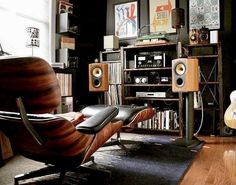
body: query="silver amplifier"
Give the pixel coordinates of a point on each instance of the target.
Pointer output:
(151, 94)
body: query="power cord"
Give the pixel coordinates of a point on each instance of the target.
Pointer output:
(202, 115)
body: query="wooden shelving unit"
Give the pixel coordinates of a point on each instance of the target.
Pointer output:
(169, 105)
(66, 84)
(211, 86)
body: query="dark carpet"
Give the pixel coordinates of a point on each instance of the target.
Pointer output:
(152, 160)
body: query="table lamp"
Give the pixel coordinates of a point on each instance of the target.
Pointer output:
(32, 37)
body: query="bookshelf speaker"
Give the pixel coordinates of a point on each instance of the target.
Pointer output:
(98, 77)
(185, 75)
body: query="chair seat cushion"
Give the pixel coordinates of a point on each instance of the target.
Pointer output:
(127, 113)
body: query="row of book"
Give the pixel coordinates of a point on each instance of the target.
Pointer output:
(65, 83)
(163, 120)
(113, 95)
(114, 73)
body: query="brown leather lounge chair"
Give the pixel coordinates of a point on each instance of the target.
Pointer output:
(29, 94)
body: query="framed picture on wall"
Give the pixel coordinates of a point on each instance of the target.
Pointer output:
(160, 16)
(204, 13)
(126, 19)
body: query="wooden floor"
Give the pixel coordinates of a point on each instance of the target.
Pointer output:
(215, 164)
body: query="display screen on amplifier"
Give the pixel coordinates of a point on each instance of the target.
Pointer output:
(150, 61)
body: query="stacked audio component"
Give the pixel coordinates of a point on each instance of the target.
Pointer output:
(147, 80)
(148, 60)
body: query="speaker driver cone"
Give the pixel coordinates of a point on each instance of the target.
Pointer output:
(180, 69)
(97, 72)
(97, 83)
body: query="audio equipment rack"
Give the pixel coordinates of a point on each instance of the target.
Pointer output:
(146, 83)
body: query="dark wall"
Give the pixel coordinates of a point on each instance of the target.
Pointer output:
(226, 36)
(92, 21)
(228, 55)
(233, 43)
(92, 17)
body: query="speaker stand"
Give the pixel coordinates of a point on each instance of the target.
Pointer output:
(189, 140)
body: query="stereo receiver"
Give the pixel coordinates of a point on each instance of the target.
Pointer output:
(150, 61)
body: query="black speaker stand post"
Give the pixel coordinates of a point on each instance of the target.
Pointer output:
(189, 140)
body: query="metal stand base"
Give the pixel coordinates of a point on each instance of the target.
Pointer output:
(188, 140)
(186, 143)
(48, 170)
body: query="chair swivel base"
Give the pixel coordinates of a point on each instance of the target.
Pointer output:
(50, 169)
(119, 142)
(41, 172)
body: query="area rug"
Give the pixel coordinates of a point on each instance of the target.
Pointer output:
(156, 161)
(151, 160)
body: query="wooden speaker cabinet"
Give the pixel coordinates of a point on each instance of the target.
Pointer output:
(185, 75)
(98, 77)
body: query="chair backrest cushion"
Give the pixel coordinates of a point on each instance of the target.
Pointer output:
(31, 78)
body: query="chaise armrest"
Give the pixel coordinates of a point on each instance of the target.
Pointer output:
(98, 121)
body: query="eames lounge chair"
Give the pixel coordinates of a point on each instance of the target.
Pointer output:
(28, 97)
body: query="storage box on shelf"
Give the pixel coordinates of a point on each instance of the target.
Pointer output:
(67, 24)
(211, 88)
(146, 80)
(68, 57)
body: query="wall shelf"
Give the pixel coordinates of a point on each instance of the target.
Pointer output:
(211, 85)
(147, 85)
